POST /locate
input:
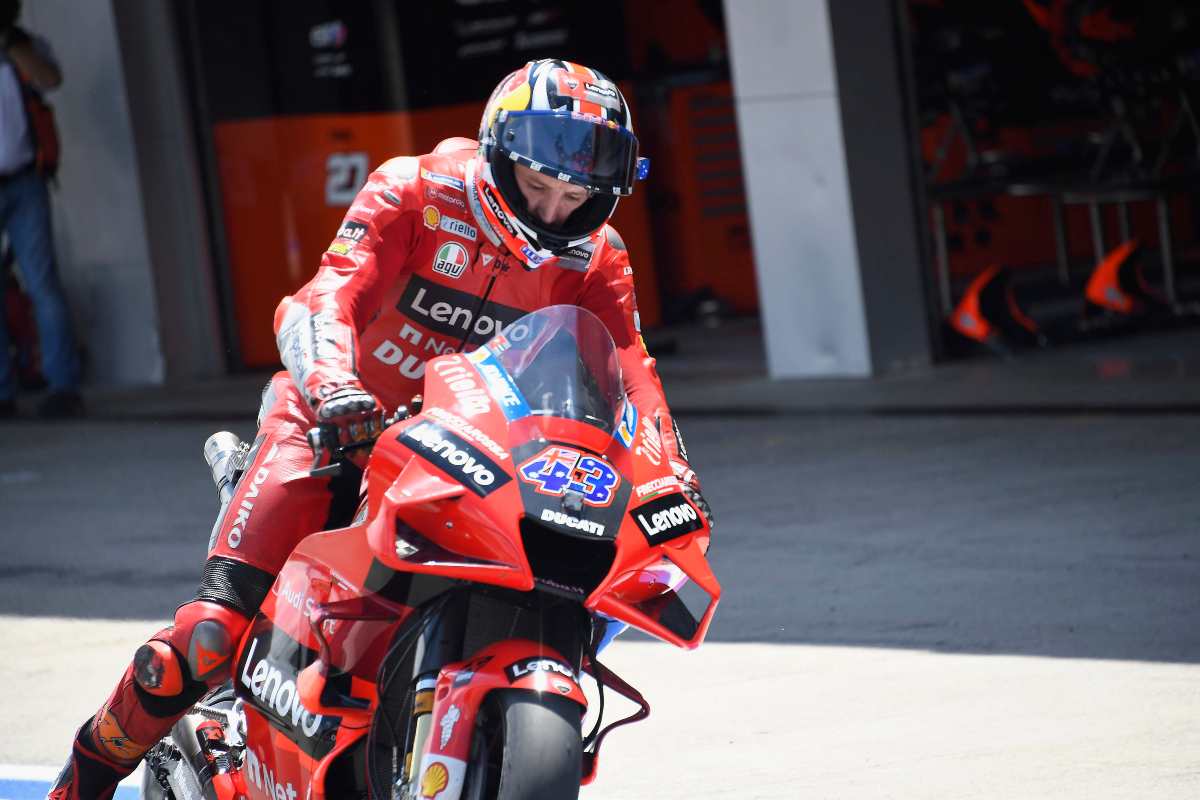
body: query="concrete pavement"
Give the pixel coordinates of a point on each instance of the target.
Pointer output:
(715, 371)
(926, 597)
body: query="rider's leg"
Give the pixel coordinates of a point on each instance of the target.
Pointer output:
(167, 675)
(275, 504)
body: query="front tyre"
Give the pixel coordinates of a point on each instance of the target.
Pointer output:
(526, 746)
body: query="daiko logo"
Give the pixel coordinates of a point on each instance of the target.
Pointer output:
(245, 508)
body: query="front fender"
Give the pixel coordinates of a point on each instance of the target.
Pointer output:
(461, 689)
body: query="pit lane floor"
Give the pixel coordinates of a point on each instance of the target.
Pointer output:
(917, 606)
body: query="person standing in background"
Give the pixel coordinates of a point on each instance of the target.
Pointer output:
(27, 160)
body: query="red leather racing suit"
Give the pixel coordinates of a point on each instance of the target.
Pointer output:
(410, 275)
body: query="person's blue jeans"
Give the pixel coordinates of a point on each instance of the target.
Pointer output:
(25, 216)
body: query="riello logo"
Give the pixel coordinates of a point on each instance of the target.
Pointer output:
(277, 692)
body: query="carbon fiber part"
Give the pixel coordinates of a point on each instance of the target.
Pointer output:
(679, 439)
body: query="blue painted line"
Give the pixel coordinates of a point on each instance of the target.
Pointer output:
(36, 790)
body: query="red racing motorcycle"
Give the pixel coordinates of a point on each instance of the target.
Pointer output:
(435, 647)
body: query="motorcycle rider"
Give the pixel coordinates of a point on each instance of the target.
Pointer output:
(436, 254)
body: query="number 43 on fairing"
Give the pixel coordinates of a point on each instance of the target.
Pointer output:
(557, 469)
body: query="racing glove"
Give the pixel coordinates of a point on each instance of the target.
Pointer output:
(690, 484)
(348, 416)
(668, 429)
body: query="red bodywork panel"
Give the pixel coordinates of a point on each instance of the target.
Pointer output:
(446, 492)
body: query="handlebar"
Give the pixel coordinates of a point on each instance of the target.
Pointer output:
(329, 454)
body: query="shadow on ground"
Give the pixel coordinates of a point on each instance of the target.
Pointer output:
(1070, 536)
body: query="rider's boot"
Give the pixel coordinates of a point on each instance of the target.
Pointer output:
(168, 675)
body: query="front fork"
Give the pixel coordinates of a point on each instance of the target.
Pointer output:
(459, 692)
(440, 643)
(448, 690)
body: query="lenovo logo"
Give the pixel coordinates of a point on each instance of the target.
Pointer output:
(451, 312)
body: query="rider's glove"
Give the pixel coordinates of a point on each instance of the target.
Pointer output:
(351, 414)
(690, 483)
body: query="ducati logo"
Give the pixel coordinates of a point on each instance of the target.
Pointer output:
(575, 523)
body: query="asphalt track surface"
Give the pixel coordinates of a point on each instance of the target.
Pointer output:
(917, 606)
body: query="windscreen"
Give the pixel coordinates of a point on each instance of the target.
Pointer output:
(559, 361)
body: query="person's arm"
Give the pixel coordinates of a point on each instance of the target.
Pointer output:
(608, 293)
(37, 66)
(317, 329)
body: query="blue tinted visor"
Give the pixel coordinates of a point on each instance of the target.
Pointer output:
(581, 149)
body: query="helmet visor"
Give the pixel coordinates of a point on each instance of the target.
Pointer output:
(597, 154)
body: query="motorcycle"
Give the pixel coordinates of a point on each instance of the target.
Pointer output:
(435, 646)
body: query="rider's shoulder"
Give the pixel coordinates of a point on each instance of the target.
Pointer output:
(408, 181)
(613, 239)
(401, 169)
(610, 257)
(446, 166)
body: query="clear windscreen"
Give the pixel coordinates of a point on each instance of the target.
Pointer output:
(559, 361)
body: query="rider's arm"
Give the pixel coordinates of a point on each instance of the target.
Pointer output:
(608, 293)
(317, 328)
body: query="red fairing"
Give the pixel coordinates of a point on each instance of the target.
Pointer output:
(400, 283)
(420, 495)
(449, 495)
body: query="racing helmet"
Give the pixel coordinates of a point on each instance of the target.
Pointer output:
(560, 119)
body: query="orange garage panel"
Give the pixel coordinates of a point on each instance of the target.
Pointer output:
(287, 181)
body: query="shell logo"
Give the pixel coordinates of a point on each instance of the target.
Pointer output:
(432, 217)
(434, 780)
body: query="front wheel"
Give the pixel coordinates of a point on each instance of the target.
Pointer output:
(526, 746)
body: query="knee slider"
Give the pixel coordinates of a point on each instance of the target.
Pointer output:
(156, 669)
(206, 633)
